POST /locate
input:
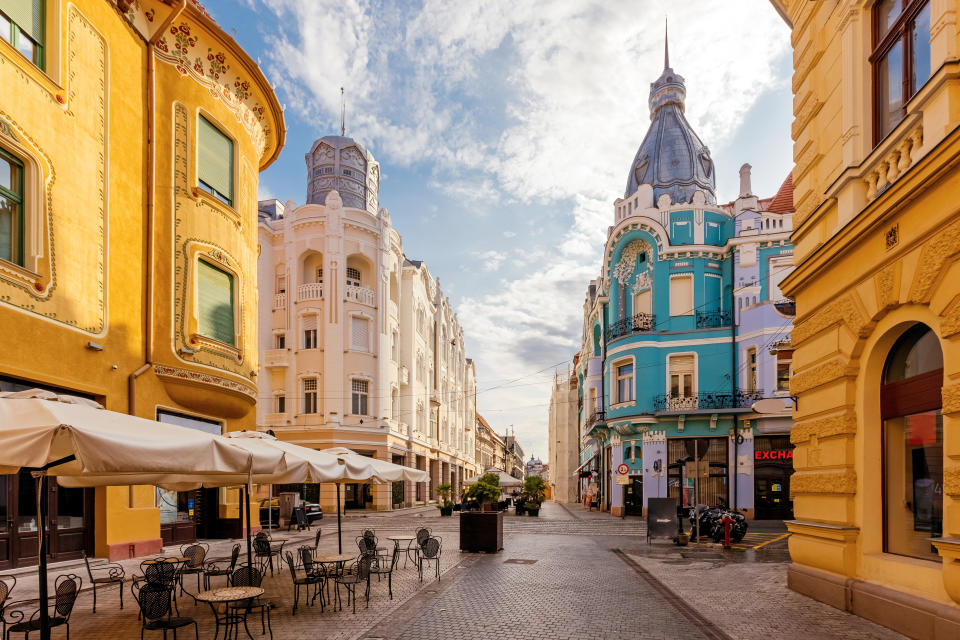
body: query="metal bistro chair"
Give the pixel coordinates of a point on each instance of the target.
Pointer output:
(161, 572)
(7, 583)
(247, 576)
(302, 578)
(359, 573)
(422, 534)
(214, 568)
(316, 542)
(382, 567)
(66, 590)
(264, 553)
(314, 569)
(154, 602)
(371, 543)
(115, 575)
(195, 554)
(429, 552)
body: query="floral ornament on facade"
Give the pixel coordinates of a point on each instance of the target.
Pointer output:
(628, 260)
(642, 282)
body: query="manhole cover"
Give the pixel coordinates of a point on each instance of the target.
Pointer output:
(518, 561)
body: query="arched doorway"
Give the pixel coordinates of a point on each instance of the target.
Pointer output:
(912, 443)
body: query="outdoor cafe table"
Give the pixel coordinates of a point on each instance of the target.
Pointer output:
(337, 559)
(396, 545)
(226, 596)
(168, 559)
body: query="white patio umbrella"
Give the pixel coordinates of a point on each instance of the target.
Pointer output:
(84, 445)
(506, 480)
(362, 469)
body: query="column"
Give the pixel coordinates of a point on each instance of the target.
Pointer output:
(616, 490)
(654, 466)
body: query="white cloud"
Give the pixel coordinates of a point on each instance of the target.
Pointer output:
(490, 260)
(538, 101)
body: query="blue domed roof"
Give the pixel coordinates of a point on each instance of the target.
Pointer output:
(671, 158)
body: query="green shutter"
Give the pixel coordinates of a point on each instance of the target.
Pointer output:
(215, 302)
(27, 14)
(214, 159)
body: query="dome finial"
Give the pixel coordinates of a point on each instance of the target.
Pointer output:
(666, 45)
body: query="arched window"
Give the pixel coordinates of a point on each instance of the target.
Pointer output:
(626, 452)
(910, 405)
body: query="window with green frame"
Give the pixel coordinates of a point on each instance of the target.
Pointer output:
(11, 208)
(215, 303)
(214, 160)
(21, 24)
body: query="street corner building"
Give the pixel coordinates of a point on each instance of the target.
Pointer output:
(132, 134)
(360, 346)
(877, 238)
(684, 331)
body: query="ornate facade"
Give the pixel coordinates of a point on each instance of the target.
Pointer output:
(877, 235)
(135, 132)
(360, 347)
(684, 330)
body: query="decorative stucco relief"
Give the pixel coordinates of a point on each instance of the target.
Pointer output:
(846, 309)
(951, 480)
(825, 373)
(887, 286)
(823, 427)
(195, 54)
(950, 323)
(837, 481)
(205, 378)
(642, 282)
(628, 260)
(951, 398)
(941, 245)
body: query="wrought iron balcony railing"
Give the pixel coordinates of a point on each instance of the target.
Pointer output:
(597, 417)
(712, 319)
(706, 401)
(786, 307)
(640, 323)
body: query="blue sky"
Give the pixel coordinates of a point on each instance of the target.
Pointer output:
(505, 130)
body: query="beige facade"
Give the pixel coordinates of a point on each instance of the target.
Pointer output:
(564, 438)
(360, 348)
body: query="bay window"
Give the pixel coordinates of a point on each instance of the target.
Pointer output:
(900, 59)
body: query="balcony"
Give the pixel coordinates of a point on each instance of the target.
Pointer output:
(706, 401)
(597, 417)
(280, 301)
(712, 319)
(640, 323)
(362, 295)
(310, 291)
(786, 307)
(274, 358)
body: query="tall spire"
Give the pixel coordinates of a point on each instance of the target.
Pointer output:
(343, 114)
(666, 45)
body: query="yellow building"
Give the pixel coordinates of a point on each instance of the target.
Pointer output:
(131, 138)
(877, 289)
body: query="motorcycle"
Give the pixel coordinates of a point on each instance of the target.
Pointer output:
(711, 522)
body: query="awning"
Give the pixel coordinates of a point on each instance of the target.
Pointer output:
(585, 464)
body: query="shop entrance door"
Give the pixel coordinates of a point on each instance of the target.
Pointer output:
(633, 497)
(773, 492)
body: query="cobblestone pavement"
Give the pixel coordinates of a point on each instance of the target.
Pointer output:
(567, 574)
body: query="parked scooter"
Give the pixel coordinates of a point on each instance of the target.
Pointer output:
(711, 522)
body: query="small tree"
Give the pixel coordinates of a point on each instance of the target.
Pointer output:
(443, 492)
(486, 490)
(534, 490)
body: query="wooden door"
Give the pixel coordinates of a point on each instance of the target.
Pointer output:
(7, 521)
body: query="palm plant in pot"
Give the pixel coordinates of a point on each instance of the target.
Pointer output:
(534, 490)
(446, 505)
(482, 530)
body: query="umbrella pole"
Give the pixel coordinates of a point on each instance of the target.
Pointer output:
(246, 500)
(41, 481)
(339, 534)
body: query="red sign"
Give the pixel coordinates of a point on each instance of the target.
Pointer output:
(780, 454)
(623, 469)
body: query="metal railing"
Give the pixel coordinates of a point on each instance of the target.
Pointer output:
(786, 307)
(712, 319)
(706, 400)
(640, 323)
(361, 295)
(597, 417)
(310, 291)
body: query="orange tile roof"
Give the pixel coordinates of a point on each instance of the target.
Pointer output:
(782, 202)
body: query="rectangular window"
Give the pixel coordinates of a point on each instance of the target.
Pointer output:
(281, 341)
(900, 58)
(681, 295)
(784, 364)
(320, 276)
(215, 303)
(309, 395)
(281, 284)
(281, 403)
(643, 302)
(682, 372)
(360, 394)
(214, 161)
(353, 277)
(624, 382)
(359, 333)
(21, 24)
(11, 209)
(751, 369)
(310, 332)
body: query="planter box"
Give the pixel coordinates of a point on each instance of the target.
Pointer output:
(533, 512)
(446, 511)
(481, 531)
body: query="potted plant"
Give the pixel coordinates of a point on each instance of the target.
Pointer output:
(446, 505)
(534, 490)
(482, 530)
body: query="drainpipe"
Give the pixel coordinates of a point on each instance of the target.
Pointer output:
(733, 368)
(151, 208)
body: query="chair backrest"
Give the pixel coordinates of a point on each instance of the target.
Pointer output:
(288, 557)
(234, 555)
(261, 535)
(154, 601)
(306, 558)
(367, 545)
(261, 546)
(246, 576)
(430, 548)
(7, 583)
(316, 539)
(67, 588)
(363, 565)
(422, 534)
(369, 534)
(194, 554)
(160, 573)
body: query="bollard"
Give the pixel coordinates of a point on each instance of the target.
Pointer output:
(727, 525)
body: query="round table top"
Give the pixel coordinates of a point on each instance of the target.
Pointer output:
(277, 539)
(229, 594)
(166, 559)
(336, 557)
(401, 538)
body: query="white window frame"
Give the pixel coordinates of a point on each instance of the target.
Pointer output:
(306, 400)
(695, 383)
(359, 398)
(370, 331)
(614, 370)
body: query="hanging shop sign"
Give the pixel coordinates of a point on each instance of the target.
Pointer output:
(776, 454)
